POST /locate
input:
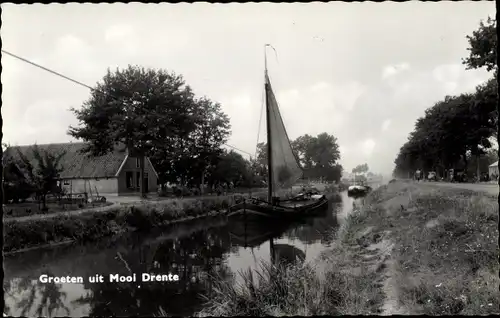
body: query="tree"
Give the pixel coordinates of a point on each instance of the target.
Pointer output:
(359, 172)
(483, 46)
(144, 109)
(449, 133)
(259, 164)
(211, 132)
(42, 173)
(363, 168)
(231, 168)
(317, 155)
(15, 185)
(325, 150)
(304, 148)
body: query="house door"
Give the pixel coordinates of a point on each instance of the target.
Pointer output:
(146, 182)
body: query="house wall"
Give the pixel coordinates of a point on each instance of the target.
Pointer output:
(104, 186)
(130, 166)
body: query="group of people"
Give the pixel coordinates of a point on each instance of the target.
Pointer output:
(458, 177)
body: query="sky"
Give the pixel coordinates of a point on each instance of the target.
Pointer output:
(363, 72)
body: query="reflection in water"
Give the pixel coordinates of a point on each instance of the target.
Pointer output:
(286, 254)
(43, 299)
(220, 248)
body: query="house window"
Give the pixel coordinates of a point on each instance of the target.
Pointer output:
(137, 163)
(138, 180)
(129, 176)
(145, 175)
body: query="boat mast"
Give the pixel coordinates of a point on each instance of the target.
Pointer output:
(268, 128)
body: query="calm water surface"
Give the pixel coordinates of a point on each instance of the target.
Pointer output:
(195, 252)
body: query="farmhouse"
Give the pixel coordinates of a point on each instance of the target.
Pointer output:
(116, 173)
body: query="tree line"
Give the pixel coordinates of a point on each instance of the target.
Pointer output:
(456, 132)
(317, 155)
(155, 114)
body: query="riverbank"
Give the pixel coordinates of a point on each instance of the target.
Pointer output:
(28, 234)
(94, 225)
(412, 249)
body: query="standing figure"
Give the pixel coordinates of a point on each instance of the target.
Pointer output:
(418, 175)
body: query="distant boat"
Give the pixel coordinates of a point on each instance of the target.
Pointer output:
(283, 169)
(358, 190)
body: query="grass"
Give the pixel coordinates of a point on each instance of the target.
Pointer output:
(33, 208)
(277, 291)
(411, 249)
(444, 259)
(449, 261)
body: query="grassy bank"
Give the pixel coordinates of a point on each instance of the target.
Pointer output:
(412, 249)
(445, 260)
(92, 226)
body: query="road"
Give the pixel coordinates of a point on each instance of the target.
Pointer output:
(479, 187)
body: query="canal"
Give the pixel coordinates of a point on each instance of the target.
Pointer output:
(194, 252)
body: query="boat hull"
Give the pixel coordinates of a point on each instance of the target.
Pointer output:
(290, 211)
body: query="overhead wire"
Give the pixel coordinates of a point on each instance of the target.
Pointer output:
(84, 85)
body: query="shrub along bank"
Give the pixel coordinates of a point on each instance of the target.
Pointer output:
(95, 225)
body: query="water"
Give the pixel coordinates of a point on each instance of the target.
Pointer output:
(194, 252)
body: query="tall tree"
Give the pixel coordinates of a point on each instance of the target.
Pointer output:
(141, 108)
(231, 168)
(211, 132)
(325, 150)
(304, 148)
(483, 46)
(319, 155)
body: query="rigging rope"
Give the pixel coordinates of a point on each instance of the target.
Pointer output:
(260, 122)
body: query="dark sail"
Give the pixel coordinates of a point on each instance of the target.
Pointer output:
(285, 168)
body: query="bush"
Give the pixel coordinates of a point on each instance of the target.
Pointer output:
(138, 217)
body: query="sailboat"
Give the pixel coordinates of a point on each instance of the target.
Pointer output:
(283, 169)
